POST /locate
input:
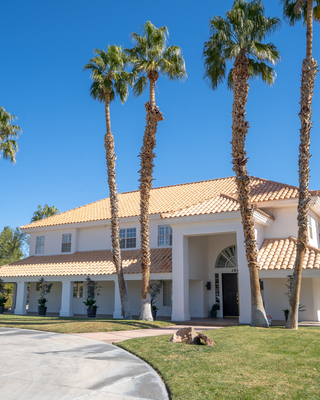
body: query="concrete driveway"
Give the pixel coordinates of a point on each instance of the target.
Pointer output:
(51, 366)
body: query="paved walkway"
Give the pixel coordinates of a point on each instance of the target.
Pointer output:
(120, 336)
(51, 366)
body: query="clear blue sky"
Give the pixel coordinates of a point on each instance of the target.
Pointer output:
(61, 160)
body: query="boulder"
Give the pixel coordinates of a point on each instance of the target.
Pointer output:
(185, 335)
(206, 340)
(190, 336)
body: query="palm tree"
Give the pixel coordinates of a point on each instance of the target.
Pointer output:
(295, 10)
(150, 56)
(110, 79)
(44, 212)
(8, 146)
(238, 38)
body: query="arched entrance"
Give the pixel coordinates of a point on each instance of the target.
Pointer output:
(226, 281)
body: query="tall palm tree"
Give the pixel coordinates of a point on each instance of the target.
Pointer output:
(296, 10)
(44, 212)
(8, 132)
(238, 38)
(110, 79)
(150, 57)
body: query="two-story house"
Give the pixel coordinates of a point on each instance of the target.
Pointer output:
(197, 251)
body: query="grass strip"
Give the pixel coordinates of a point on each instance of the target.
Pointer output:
(246, 363)
(75, 325)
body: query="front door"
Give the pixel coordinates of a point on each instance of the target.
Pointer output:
(230, 295)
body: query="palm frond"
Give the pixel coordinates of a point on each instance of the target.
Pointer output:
(140, 85)
(150, 54)
(243, 30)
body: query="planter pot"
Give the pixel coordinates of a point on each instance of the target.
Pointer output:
(286, 316)
(1, 309)
(91, 312)
(42, 311)
(154, 314)
(213, 314)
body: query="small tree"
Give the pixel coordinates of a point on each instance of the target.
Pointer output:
(3, 295)
(93, 290)
(155, 289)
(45, 288)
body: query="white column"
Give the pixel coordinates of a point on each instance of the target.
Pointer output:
(316, 298)
(244, 281)
(21, 301)
(14, 297)
(117, 301)
(66, 299)
(180, 278)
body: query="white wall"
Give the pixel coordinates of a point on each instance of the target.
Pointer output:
(314, 241)
(276, 300)
(316, 294)
(94, 238)
(54, 298)
(105, 299)
(260, 234)
(53, 241)
(285, 223)
(196, 299)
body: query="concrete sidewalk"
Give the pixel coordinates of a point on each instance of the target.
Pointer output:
(120, 336)
(39, 365)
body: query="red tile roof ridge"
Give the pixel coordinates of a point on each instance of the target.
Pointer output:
(314, 192)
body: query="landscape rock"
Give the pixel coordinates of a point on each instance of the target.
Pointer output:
(185, 335)
(206, 340)
(190, 336)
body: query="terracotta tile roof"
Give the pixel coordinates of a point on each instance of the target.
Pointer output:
(276, 254)
(87, 263)
(171, 199)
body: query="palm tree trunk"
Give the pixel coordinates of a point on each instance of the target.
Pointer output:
(146, 176)
(153, 77)
(115, 225)
(239, 131)
(309, 71)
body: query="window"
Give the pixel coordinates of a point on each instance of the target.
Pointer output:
(167, 293)
(217, 288)
(40, 245)
(66, 243)
(78, 289)
(228, 258)
(128, 238)
(164, 235)
(38, 287)
(310, 227)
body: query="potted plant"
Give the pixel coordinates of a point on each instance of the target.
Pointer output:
(286, 313)
(155, 289)
(45, 288)
(214, 309)
(154, 309)
(91, 307)
(92, 291)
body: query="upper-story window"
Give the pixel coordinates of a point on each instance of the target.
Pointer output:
(310, 227)
(164, 235)
(128, 238)
(40, 245)
(66, 243)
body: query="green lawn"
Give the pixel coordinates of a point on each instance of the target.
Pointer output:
(75, 325)
(246, 363)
